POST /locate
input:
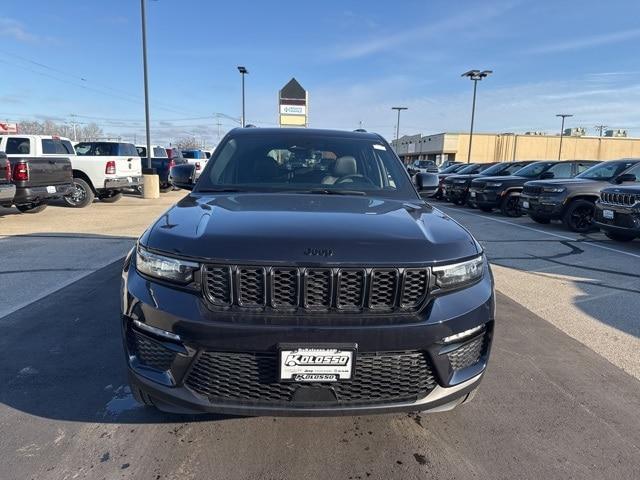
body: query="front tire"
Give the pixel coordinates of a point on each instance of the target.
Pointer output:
(619, 237)
(82, 195)
(166, 188)
(511, 205)
(31, 207)
(579, 216)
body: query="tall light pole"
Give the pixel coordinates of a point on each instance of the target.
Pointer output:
(399, 109)
(146, 81)
(563, 116)
(474, 75)
(243, 71)
(601, 128)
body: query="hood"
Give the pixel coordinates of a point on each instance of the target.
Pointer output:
(505, 179)
(299, 229)
(566, 182)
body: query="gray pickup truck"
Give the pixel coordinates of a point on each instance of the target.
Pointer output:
(37, 180)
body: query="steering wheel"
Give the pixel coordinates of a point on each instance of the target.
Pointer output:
(352, 177)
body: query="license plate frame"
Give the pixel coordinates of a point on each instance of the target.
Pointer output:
(608, 214)
(307, 370)
(51, 189)
(473, 194)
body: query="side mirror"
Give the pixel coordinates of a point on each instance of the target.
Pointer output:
(427, 184)
(183, 176)
(626, 177)
(546, 175)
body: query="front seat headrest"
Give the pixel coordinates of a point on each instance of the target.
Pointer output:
(344, 166)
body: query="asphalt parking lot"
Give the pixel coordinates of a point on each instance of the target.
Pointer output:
(560, 399)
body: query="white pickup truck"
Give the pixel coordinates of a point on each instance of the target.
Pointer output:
(102, 170)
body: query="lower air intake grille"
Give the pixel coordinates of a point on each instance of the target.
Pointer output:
(253, 379)
(151, 353)
(468, 354)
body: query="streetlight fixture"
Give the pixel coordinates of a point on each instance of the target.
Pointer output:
(563, 116)
(474, 75)
(243, 71)
(399, 109)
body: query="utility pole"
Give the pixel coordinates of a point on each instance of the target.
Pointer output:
(399, 109)
(74, 125)
(563, 116)
(218, 124)
(600, 129)
(475, 76)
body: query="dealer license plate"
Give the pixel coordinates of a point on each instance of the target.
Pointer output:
(316, 364)
(51, 189)
(525, 204)
(473, 194)
(608, 214)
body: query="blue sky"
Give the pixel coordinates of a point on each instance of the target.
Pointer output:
(356, 59)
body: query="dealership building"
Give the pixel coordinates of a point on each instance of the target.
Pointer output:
(506, 147)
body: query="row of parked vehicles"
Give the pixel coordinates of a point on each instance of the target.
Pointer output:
(36, 169)
(584, 195)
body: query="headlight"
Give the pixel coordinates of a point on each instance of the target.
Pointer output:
(165, 268)
(459, 181)
(494, 184)
(553, 189)
(458, 274)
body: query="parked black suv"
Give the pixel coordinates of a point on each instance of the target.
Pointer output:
(504, 192)
(618, 210)
(273, 290)
(572, 200)
(448, 182)
(457, 186)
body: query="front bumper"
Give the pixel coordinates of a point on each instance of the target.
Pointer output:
(7, 192)
(26, 195)
(171, 374)
(625, 220)
(485, 198)
(542, 206)
(122, 183)
(458, 192)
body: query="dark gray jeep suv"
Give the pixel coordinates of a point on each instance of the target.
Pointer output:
(304, 274)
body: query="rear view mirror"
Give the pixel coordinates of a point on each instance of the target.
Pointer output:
(183, 176)
(546, 175)
(427, 184)
(627, 177)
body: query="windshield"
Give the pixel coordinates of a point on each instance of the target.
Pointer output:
(533, 170)
(191, 154)
(451, 168)
(502, 169)
(300, 162)
(605, 171)
(468, 169)
(423, 163)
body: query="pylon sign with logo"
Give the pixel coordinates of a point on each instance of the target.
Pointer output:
(8, 128)
(293, 105)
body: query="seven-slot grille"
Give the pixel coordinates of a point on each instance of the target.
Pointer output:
(532, 190)
(622, 199)
(315, 289)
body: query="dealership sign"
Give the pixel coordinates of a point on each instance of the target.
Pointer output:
(293, 110)
(293, 105)
(8, 128)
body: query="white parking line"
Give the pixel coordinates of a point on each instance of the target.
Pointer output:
(564, 237)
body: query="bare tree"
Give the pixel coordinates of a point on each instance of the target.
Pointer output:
(91, 131)
(187, 143)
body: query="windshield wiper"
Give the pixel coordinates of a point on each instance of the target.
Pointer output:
(330, 191)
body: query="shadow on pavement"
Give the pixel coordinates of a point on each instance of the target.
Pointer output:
(62, 357)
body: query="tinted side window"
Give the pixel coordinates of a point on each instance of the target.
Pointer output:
(56, 147)
(561, 170)
(583, 166)
(142, 151)
(48, 146)
(127, 150)
(17, 145)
